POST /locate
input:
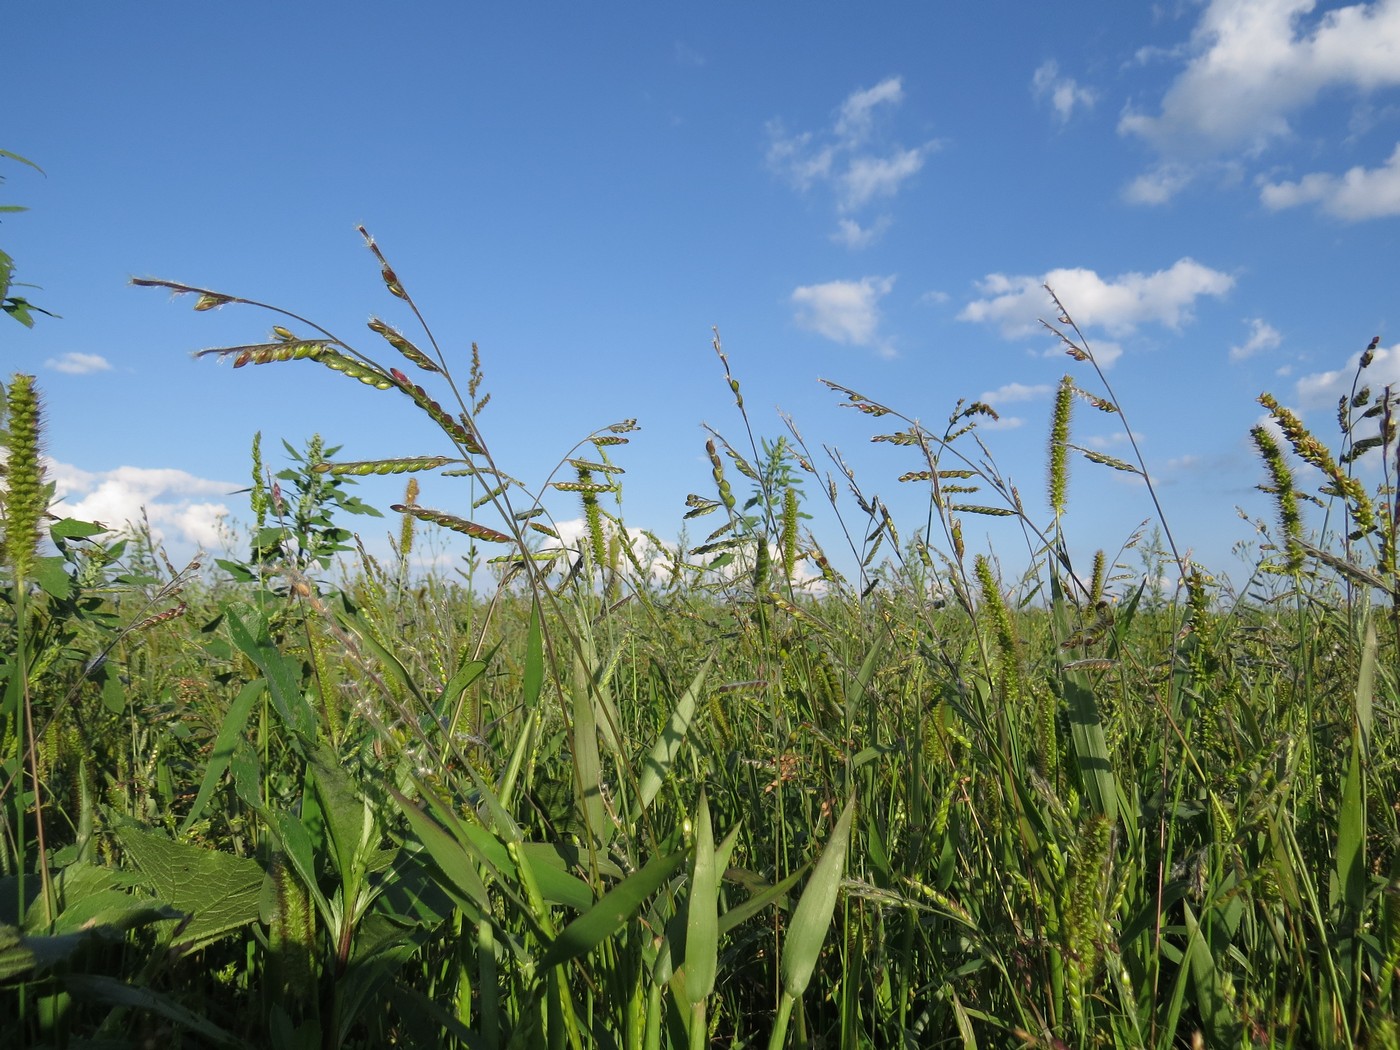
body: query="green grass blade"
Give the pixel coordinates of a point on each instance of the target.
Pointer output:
(230, 732)
(588, 765)
(657, 766)
(811, 920)
(1352, 875)
(1089, 744)
(702, 914)
(608, 915)
(449, 855)
(533, 682)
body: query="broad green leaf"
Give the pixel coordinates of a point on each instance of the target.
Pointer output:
(347, 815)
(72, 528)
(219, 891)
(51, 575)
(249, 632)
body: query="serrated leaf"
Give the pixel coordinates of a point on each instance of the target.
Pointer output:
(219, 891)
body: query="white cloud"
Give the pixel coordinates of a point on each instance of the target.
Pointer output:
(1105, 351)
(1262, 336)
(869, 177)
(75, 364)
(844, 311)
(1362, 193)
(851, 157)
(854, 123)
(793, 158)
(1324, 389)
(1063, 93)
(853, 235)
(116, 497)
(1255, 63)
(1015, 392)
(1001, 423)
(1159, 185)
(1118, 305)
(653, 555)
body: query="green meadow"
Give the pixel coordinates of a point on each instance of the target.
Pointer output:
(601, 791)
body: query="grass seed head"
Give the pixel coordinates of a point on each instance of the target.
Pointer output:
(26, 495)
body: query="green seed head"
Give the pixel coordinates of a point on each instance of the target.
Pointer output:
(26, 495)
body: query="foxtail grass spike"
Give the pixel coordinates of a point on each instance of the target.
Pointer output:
(1285, 495)
(1059, 445)
(26, 493)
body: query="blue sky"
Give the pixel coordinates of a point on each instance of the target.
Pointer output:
(873, 194)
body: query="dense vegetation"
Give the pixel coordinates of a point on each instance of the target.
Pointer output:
(606, 793)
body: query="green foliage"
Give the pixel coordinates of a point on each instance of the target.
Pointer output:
(18, 307)
(634, 797)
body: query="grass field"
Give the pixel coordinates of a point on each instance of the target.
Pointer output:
(614, 794)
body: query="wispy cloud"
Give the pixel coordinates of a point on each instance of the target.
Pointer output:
(851, 158)
(1011, 392)
(1362, 193)
(1254, 64)
(853, 235)
(685, 55)
(176, 503)
(1159, 185)
(75, 364)
(1324, 389)
(1063, 93)
(844, 311)
(1117, 305)
(1262, 336)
